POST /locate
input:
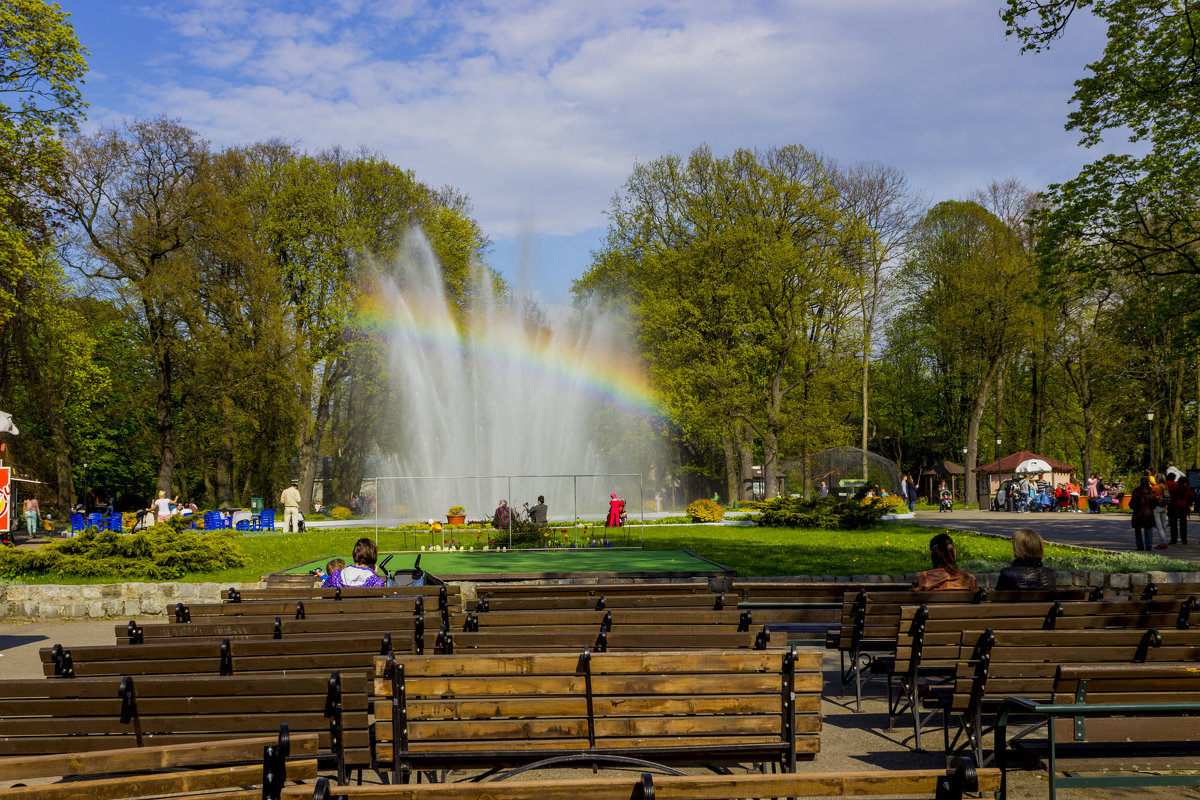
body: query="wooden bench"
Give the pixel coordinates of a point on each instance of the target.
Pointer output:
(226, 656)
(1113, 718)
(1167, 591)
(44, 717)
(450, 594)
(183, 613)
(399, 626)
(496, 590)
(951, 784)
(870, 625)
(667, 619)
(929, 636)
(994, 665)
(599, 638)
(599, 602)
(532, 710)
(183, 770)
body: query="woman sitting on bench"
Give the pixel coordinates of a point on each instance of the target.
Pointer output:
(945, 574)
(362, 573)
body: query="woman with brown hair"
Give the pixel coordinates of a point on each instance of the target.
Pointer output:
(945, 574)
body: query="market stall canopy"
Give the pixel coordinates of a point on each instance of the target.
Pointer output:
(1009, 463)
(944, 468)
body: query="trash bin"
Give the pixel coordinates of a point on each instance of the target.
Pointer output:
(256, 505)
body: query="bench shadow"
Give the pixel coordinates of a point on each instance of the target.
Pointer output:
(8, 642)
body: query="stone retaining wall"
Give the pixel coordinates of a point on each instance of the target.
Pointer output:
(101, 600)
(129, 600)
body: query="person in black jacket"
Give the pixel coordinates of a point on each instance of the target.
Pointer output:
(1026, 571)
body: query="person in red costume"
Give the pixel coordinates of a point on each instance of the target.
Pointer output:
(615, 507)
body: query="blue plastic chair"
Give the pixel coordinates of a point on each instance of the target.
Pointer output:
(116, 523)
(95, 520)
(78, 523)
(265, 521)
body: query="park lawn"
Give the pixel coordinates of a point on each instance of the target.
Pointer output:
(886, 549)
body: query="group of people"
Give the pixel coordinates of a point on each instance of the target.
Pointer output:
(538, 513)
(1161, 503)
(362, 505)
(1025, 572)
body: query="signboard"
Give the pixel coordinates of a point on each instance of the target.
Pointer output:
(851, 483)
(5, 499)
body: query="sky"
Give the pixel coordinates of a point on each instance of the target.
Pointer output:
(539, 110)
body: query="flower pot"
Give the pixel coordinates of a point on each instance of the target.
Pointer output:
(456, 519)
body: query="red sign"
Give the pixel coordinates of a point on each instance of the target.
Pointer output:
(5, 499)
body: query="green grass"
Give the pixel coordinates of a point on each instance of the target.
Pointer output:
(888, 549)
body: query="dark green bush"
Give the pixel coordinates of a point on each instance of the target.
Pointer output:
(821, 512)
(162, 552)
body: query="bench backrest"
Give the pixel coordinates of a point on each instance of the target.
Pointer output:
(452, 592)
(996, 664)
(399, 626)
(871, 619)
(929, 635)
(951, 784)
(600, 639)
(219, 656)
(40, 717)
(490, 590)
(483, 709)
(1157, 684)
(158, 770)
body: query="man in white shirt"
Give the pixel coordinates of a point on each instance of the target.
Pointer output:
(291, 508)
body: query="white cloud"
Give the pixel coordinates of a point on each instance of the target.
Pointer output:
(538, 108)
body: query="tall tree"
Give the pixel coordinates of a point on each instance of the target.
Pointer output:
(135, 194)
(738, 271)
(972, 279)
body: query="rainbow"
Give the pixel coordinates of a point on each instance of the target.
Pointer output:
(602, 373)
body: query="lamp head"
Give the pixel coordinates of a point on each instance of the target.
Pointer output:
(1150, 415)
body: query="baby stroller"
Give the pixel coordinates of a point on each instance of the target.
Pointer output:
(945, 501)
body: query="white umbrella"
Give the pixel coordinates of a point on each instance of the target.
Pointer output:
(1033, 465)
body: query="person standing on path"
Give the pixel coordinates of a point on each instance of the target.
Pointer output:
(1142, 503)
(32, 510)
(290, 498)
(1162, 498)
(1179, 507)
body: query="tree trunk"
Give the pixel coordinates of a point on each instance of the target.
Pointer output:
(225, 466)
(163, 403)
(310, 446)
(981, 398)
(745, 448)
(865, 375)
(732, 470)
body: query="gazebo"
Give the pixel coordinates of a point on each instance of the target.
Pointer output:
(990, 475)
(930, 478)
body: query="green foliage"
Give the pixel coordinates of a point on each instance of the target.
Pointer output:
(823, 512)
(704, 510)
(163, 552)
(341, 514)
(455, 510)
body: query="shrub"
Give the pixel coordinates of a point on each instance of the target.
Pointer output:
(823, 512)
(456, 510)
(892, 502)
(162, 552)
(340, 513)
(704, 511)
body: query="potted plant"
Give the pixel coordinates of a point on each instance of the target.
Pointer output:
(457, 515)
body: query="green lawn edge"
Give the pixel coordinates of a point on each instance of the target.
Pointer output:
(884, 549)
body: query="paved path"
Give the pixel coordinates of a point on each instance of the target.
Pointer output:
(1105, 531)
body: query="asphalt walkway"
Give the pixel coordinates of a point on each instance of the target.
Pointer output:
(1108, 531)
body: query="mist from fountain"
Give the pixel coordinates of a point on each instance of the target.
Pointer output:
(501, 392)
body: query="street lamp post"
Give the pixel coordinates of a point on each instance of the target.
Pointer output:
(85, 502)
(1150, 438)
(1000, 475)
(966, 477)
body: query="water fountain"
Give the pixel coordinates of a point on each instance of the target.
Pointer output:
(504, 403)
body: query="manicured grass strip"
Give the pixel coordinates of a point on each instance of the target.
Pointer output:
(888, 549)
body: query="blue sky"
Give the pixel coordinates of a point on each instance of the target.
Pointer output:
(538, 110)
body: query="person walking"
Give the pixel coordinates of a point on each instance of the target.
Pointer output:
(32, 510)
(911, 496)
(1179, 507)
(290, 498)
(1093, 494)
(1162, 498)
(1142, 503)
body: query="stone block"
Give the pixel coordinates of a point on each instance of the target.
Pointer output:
(1118, 580)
